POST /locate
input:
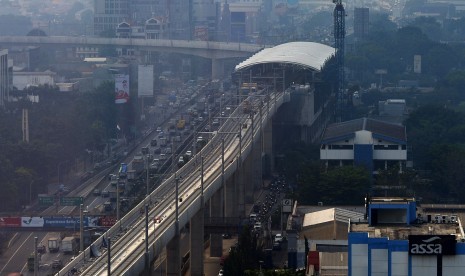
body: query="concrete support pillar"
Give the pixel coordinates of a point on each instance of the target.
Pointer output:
(216, 211)
(196, 242)
(249, 178)
(217, 68)
(173, 255)
(231, 196)
(268, 145)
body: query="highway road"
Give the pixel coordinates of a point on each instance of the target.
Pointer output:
(128, 236)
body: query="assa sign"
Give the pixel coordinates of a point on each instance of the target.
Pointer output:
(431, 244)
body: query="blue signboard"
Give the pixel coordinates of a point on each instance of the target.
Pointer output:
(69, 222)
(64, 222)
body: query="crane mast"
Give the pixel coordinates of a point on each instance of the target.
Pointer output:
(339, 35)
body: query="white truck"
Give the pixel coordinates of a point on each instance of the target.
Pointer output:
(69, 245)
(53, 245)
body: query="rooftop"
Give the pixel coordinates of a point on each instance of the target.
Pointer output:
(307, 54)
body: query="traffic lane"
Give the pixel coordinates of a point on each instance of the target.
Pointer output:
(14, 259)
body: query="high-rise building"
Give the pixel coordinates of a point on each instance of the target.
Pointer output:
(4, 77)
(177, 14)
(109, 13)
(361, 22)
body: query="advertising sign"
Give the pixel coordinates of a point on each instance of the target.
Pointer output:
(32, 222)
(10, 222)
(121, 88)
(431, 244)
(65, 222)
(145, 81)
(107, 221)
(69, 222)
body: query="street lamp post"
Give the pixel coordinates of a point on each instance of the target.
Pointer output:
(81, 227)
(36, 260)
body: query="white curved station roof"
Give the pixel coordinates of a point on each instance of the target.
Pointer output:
(307, 54)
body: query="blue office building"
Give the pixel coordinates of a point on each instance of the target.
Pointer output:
(400, 238)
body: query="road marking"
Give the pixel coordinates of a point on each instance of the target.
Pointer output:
(12, 239)
(15, 254)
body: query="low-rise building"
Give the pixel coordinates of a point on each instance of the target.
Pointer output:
(400, 238)
(374, 144)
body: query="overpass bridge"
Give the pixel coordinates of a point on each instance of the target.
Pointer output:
(216, 51)
(215, 175)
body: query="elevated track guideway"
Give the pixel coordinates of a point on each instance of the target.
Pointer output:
(127, 236)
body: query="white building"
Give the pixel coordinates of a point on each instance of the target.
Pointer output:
(22, 80)
(372, 143)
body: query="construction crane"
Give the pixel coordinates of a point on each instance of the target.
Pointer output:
(339, 35)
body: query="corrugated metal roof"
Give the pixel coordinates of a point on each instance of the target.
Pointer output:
(307, 54)
(375, 126)
(331, 214)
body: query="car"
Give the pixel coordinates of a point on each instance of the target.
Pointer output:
(257, 226)
(105, 194)
(157, 219)
(253, 217)
(226, 236)
(96, 192)
(157, 151)
(107, 206)
(215, 122)
(220, 273)
(278, 238)
(158, 129)
(188, 154)
(41, 249)
(154, 142)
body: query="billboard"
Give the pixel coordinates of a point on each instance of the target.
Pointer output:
(431, 244)
(10, 222)
(69, 222)
(121, 88)
(145, 81)
(32, 222)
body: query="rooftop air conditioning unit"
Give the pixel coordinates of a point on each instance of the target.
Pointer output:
(437, 219)
(453, 219)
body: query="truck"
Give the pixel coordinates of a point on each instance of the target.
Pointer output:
(138, 164)
(131, 175)
(69, 245)
(53, 245)
(31, 262)
(180, 125)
